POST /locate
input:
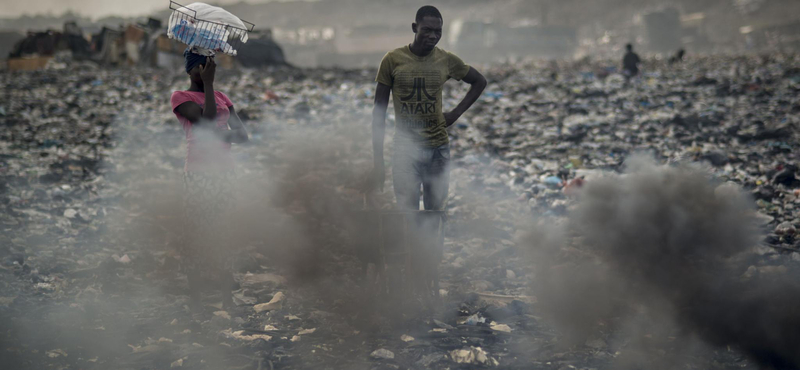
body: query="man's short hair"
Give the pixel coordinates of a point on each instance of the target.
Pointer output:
(427, 11)
(629, 46)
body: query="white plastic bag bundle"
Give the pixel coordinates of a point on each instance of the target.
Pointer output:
(206, 28)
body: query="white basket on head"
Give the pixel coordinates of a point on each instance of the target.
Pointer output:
(207, 29)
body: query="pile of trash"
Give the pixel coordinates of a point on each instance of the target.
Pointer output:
(90, 196)
(545, 130)
(145, 45)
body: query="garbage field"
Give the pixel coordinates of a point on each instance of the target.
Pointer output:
(592, 222)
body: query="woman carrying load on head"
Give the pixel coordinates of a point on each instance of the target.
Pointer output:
(211, 125)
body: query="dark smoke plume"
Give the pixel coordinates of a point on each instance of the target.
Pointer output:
(669, 243)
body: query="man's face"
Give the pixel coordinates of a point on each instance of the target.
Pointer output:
(428, 32)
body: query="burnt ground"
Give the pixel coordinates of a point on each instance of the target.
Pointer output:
(91, 165)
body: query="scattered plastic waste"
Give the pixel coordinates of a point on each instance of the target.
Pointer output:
(383, 354)
(474, 319)
(69, 172)
(275, 303)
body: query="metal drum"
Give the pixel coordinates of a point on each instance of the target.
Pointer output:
(406, 248)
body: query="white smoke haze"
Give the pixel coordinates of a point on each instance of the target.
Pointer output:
(298, 192)
(648, 260)
(652, 262)
(655, 256)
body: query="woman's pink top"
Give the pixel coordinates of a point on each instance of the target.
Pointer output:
(204, 152)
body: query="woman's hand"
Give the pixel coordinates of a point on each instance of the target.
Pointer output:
(207, 71)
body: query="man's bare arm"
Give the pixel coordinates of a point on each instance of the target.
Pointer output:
(478, 83)
(378, 133)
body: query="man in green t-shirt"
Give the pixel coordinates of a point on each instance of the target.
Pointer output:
(415, 74)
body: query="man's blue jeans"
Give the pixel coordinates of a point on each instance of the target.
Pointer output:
(414, 167)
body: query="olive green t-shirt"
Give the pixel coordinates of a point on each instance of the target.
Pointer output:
(416, 84)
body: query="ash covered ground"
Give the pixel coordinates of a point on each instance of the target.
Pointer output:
(684, 256)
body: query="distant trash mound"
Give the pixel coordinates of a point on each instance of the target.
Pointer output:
(261, 52)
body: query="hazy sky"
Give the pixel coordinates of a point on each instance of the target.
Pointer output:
(93, 8)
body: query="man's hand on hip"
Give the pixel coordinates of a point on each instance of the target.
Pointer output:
(450, 118)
